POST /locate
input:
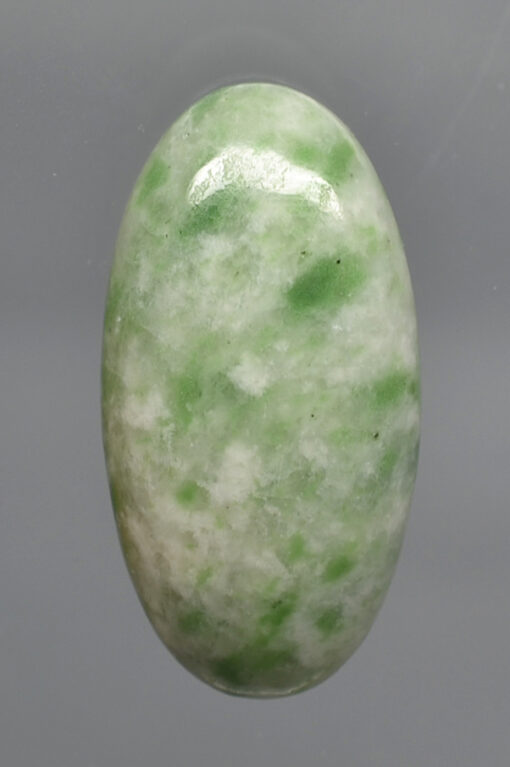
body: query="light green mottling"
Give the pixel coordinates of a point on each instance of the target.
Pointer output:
(260, 390)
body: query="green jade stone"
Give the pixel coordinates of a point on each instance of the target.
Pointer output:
(260, 390)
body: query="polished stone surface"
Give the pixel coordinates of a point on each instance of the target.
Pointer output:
(260, 390)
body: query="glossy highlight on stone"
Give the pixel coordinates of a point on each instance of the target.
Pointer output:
(260, 390)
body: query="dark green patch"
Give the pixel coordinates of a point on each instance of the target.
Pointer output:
(329, 621)
(387, 464)
(338, 567)
(154, 177)
(393, 387)
(339, 161)
(307, 155)
(313, 287)
(192, 622)
(231, 669)
(329, 282)
(191, 494)
(281, 609)
(333, 165)
(223, 211)
(243, 667)
(296, 548)
(202, 107)
(206, 217)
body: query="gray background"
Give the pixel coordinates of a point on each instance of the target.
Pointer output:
(86, 89)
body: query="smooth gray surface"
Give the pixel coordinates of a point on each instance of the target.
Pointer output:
(86, 89)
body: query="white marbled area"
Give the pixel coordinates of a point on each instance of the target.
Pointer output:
(238, 537)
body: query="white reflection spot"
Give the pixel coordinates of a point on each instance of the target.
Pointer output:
(265, 170)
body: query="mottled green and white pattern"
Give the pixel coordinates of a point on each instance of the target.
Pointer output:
(260, 390)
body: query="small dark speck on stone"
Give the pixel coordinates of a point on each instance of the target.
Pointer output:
(303, 252)
(376, 435)
(312, 415)
(338, 260)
